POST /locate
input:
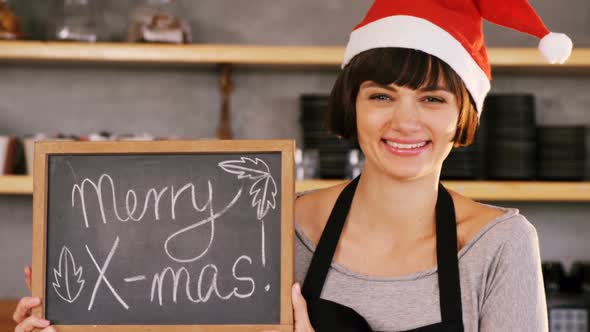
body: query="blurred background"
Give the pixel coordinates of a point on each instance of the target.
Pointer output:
(544, 137)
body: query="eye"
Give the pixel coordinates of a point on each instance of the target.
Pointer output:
(432, 99)
(380, 96)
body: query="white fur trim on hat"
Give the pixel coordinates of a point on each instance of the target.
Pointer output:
(556, 47)
(420, 34)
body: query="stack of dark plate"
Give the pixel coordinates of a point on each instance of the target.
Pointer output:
(467, 163)
(511, 146)
(561, 153)
(333, 150)
(460, 164)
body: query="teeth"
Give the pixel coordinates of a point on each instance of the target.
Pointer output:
(405, 146)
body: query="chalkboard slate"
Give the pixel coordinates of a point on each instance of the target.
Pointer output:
(163, 239)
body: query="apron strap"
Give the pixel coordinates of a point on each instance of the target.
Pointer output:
(446, 256)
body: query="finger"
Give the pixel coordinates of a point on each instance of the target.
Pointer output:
(23, 309)
(31, 323)
(302, 322)
(28, 273)
(49, 329)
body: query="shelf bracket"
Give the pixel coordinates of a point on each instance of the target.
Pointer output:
(226, 88)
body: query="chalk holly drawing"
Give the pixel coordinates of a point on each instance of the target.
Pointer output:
(68, 282)
(263, 189)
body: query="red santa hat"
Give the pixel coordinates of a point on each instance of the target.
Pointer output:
(452, 30)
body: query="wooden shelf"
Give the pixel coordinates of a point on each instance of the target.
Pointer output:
(479, 190)
(16, 185)
(522, 191)
(498, 190)
(529, 60)
(30, 51)
(511, 59)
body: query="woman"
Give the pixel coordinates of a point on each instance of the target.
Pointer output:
(385, 264)
(393, 249)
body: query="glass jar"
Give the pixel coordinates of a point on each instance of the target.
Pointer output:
(79, 21)
(9, 23)
(355, 163)
(159, 21)
(307, 164)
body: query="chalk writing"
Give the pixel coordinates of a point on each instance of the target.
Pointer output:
(101, 276)
(133, 279)
(131, 201)
(208, 221)
(107, 199)
(263, 190)
(158, 281)
(66, 270)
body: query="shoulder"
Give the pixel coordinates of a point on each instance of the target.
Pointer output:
(497, 224)
(520, 241)
(510, 235)
(501, 239)
(312, 209)
(503, 253)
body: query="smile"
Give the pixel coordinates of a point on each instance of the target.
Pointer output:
(405, 146)
(406, 150)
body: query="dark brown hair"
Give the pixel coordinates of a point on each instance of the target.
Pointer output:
(404, 67)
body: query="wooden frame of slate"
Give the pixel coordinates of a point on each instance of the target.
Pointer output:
(120, 200)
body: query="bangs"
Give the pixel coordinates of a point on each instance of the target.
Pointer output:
(406, 68)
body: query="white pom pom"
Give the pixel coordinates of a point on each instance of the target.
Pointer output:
(556, 47)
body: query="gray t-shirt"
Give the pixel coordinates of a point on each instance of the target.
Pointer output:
(501, 283)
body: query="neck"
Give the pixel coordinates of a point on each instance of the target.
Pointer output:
(394, 210)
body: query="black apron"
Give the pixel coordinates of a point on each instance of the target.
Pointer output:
(329, 316)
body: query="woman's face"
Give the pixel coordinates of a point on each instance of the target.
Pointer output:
(405, 133)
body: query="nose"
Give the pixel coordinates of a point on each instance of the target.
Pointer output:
(405, 116)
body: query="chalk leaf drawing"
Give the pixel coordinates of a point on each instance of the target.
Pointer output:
(264, 188)
(67, 281)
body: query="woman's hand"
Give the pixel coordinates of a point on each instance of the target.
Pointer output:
(302, 323)
(22, 314)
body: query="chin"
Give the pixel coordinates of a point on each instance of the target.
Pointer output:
(406, 170)
(406, 174)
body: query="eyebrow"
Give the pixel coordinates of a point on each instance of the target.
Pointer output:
(391, 88)
(435, 88)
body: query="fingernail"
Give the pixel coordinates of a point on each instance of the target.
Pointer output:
(43, 322)
(34, 301)
(297, 288)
